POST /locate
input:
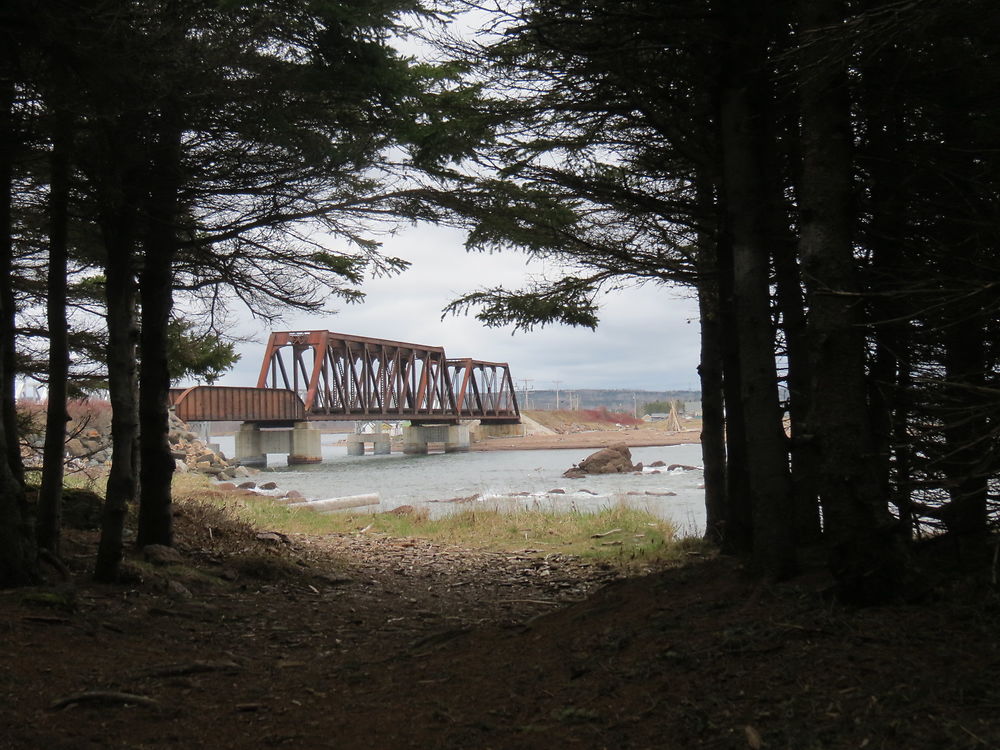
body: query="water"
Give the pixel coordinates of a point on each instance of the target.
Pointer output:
(501, 479)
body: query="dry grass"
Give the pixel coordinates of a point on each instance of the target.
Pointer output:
(206, 524)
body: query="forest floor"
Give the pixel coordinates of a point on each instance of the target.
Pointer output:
(257, 640)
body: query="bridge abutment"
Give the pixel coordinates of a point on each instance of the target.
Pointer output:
(488, 430)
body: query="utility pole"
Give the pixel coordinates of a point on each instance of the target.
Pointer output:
(527, 382)
(635, 407)
(557, 382)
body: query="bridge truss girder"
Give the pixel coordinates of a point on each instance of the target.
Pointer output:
(348, 377)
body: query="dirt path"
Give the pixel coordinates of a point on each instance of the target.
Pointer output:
(366, 642)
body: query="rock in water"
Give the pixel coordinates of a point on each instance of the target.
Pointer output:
(615, 459)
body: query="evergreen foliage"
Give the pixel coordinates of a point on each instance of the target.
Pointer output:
(822, 174)
(215, 143)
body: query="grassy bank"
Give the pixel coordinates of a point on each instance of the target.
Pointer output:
(618, 533)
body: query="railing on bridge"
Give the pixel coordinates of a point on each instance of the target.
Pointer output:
(343, 377)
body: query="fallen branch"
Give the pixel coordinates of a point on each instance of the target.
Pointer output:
(337, 503)
(105, 697)
(194, 667)
(45, 620)
(606, 533)
(436, 639)
(466, 499)
(45, 555)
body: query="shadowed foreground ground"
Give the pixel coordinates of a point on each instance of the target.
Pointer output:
(360, 642)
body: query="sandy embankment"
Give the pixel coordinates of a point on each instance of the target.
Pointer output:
(541, 437)
(594, 439)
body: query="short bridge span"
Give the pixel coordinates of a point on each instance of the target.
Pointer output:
(309, 376)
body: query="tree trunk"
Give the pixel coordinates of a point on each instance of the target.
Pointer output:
(738, 537)
(8, 306)
(803, 458)
(121, 188)
(713, 415)
(884, 162)
(743, 122)
(50, 493)
(967, 241)
(867, 557)
(737, 522)
(967, 434)
(902, 446)
(18, 559)
(17, 543)
(156, 285)
(122, 337)
(780, 160)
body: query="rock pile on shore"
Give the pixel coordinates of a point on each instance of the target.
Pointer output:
(191, 454)
(89, 448)
(92, 448)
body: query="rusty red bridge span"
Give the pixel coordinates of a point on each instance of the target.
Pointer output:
(321, 375)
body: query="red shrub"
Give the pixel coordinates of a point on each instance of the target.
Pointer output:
(601, 414)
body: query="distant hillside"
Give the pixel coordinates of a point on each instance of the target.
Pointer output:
(621, 400)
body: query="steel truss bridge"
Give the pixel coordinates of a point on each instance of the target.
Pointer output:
(321, 375)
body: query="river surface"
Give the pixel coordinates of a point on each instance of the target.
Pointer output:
(500, 479)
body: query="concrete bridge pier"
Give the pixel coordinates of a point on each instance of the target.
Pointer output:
(456, 438)
(381, 443)
(301, 444)
(250, 445)
(305, 446)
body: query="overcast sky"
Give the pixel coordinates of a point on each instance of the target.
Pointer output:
(647, 339)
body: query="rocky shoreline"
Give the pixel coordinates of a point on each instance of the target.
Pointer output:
(90, 449)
